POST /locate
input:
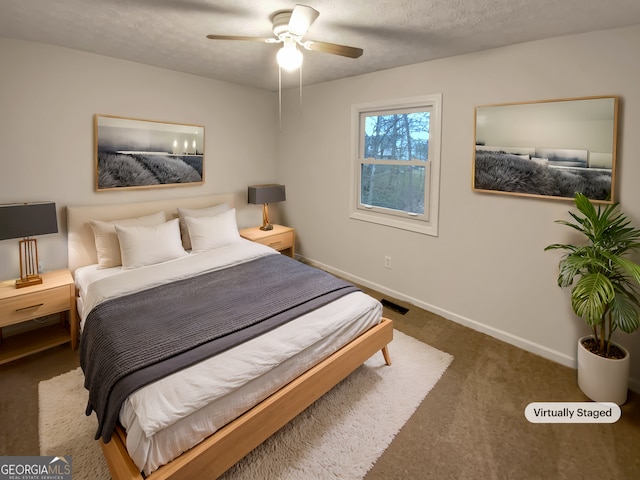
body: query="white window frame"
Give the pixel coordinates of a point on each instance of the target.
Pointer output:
(426, 224)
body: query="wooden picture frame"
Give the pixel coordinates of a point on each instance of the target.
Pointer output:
(547, 149)
(132, 153)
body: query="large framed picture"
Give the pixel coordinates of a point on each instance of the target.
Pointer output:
(547, 149)
(131, 153)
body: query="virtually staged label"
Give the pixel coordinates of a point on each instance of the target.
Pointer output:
(572, 412)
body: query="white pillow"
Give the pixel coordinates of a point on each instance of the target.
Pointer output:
(540, 161)
(208, 233)
(107, 245)
(142, 246)
(197, 213)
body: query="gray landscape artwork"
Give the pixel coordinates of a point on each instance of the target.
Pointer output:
(134, 153)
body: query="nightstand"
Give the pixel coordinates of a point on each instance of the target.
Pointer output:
(56, 294)
(281, 238)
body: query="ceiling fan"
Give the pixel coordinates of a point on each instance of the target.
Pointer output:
(289, 28)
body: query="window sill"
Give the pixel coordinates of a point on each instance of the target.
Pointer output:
(417, 226)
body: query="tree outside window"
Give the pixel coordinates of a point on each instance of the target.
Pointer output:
(397, 155)
(401, 138)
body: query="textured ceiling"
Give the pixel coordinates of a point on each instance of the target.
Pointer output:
(172, 33)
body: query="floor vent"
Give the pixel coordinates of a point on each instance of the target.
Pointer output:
(394, 306)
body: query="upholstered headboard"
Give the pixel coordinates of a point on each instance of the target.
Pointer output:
(81, 244)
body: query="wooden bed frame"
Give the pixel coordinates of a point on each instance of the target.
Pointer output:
(218, 452)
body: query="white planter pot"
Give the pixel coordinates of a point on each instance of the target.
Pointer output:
(603, 379)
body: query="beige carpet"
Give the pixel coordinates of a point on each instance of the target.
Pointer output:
(339, 436)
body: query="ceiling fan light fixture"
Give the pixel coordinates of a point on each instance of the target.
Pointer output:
(289, 57)
(290, 28)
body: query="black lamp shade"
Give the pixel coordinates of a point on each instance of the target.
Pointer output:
(22, 220)
(269, 193)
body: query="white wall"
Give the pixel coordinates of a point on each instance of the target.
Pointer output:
(48, 97)
(487, 269)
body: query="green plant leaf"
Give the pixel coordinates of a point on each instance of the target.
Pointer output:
(570, 266)
(629, 267)
(584, 205)
(591, 297)
(624, 314)
(580, 262)
(560, 246)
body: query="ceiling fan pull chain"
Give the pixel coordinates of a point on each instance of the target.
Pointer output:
(280, 97)
(300, 86)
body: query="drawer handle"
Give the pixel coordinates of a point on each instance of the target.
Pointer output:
(27, 308)
(274, 244)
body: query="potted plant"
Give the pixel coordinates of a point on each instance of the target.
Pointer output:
(605, 295)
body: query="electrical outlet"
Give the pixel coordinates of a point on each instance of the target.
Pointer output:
(387, 262)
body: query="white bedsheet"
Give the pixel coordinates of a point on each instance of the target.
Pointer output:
(97, 285)
(172, 415)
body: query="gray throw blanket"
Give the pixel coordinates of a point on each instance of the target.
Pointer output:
(131, 341)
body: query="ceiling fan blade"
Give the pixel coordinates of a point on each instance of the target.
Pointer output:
(335, 49)
(240, 37)
(302, 17)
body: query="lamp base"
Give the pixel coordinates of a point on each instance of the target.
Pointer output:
(28, 281)
(266, 225)
(28, 263)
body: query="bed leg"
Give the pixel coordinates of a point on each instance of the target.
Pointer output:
(385, 354)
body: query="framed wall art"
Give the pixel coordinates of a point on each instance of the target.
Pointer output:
(549, 149)
(132, 153)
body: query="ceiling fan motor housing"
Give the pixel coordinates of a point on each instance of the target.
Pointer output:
(281, 23)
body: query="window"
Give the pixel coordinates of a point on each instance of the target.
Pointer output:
(397, 163)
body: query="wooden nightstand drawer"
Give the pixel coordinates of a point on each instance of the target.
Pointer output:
(279, 238)
(33, 305)
(279, 241)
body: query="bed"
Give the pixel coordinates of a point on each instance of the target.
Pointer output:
(160, 434)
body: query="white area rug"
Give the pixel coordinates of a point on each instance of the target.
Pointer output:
(339, 436)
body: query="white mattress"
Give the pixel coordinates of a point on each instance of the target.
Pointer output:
(172, 415)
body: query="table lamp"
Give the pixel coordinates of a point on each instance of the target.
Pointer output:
(25, 220)
(266, 194)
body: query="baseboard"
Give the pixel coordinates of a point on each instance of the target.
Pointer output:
(507, 337)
